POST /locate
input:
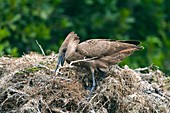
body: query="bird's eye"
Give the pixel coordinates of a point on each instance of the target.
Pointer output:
(64, 50)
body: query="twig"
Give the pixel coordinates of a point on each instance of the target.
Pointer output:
(9, 97)
(145, 68)
(45, 104)
(58, 110)
(93, 98)
(38, 109)
(102, 106)
(17, 91)
(82, 60)
(142, 69)
(43, 66)
(64, 78)
(89, 102)
(12, 96)
(72, 62)
(40, 48)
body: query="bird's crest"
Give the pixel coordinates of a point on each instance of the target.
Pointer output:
(69, 39)
(71, 43)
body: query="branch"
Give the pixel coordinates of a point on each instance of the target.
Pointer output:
(88, 59)
(40, 48)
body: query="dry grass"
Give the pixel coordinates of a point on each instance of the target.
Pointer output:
(28, 85)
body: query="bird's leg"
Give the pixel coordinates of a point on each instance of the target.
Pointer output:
(94, 83)
(58, 67)
(86, 83)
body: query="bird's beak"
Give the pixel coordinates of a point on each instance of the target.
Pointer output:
(61, 60)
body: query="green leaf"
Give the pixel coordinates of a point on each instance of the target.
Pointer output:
(16, 18)
(4, 33)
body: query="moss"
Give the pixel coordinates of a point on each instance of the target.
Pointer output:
(32, 69)
(29, 70)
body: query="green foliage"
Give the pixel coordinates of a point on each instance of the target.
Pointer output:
(49, 21)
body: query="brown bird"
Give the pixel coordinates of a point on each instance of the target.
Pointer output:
(94, 54)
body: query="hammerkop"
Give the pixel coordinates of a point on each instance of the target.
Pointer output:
(94, 54)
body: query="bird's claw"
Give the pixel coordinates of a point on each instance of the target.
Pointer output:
(58, 72)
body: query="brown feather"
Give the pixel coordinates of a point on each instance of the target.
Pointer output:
(102, 47)
(107, 52)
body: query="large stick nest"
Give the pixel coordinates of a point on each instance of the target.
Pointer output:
(28, 85)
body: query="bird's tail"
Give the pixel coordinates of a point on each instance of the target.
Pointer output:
(139, 47)
(134, 42)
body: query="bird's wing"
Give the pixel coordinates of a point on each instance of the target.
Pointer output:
(94, 47)
(117, 57)
(103, 47)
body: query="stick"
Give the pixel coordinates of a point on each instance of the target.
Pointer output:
(40, 48)
(82, 60)
(72, 62)
(43, 66)
(45, 104)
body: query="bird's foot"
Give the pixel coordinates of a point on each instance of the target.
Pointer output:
(57, 71)
(89, 96)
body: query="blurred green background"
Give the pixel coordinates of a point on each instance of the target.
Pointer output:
(49, 21)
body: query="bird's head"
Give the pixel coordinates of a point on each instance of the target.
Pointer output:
(67, 48)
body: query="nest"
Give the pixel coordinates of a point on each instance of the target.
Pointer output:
(28, 85)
